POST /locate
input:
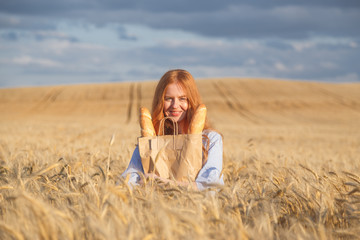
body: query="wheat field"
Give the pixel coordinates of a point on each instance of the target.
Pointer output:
(291, 164)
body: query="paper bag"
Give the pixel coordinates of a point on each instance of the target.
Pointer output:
(177, 156)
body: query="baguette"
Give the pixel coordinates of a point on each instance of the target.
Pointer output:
(147, 127)
(198, 120)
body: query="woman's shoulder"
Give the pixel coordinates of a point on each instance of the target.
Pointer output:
(212, 135)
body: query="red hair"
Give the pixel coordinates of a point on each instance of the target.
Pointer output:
(187, 82)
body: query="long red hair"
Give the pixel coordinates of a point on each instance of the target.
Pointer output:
(187, 82)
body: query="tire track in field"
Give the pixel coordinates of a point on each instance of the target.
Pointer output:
(233, 103)
(138, 97)
(341, 100)
(49, 98)
(131, 102)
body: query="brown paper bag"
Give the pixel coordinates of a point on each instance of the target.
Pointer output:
(177, 156)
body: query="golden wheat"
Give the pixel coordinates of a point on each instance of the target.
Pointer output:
(288, 173)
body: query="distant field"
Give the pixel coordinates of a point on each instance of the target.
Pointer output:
(291, 164)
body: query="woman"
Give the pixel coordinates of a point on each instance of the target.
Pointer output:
(177, 96)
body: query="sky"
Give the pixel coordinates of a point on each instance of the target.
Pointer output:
(46, 42)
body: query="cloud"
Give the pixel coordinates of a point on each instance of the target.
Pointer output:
(28, 60)
(97, 41)
(123, 34)
(10, 36)
(232, 19)
(43, 35)
(280, 45)
(26, 22)
(279, 66)
(16, 35)
(350, 77)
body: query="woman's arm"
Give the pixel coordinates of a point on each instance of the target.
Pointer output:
(209, 175)
(134, 169)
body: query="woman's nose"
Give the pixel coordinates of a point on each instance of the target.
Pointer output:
(175, 103)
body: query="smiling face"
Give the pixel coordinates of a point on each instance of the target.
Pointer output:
(176, 95)
(175, 103)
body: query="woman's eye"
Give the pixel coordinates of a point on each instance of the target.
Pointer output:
(183, 99)
(168, 99)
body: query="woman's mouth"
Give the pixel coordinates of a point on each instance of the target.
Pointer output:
(174, 113)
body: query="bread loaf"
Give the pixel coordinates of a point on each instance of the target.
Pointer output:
(147, 127)
(198, 120)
